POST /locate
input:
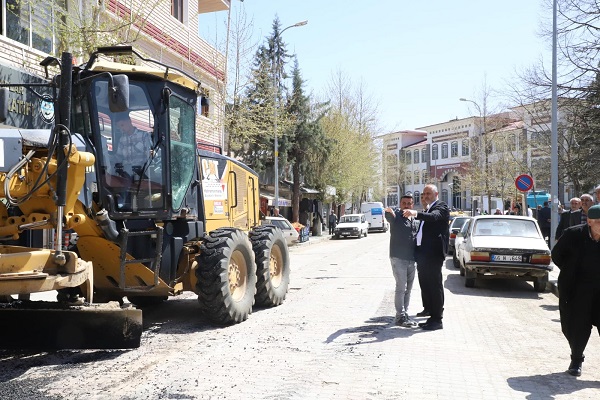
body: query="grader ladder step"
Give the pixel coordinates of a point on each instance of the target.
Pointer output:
(125, 234)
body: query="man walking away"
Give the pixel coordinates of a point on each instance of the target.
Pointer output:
(402, 257)
(332, 221)
(431, 249)
(543, 219)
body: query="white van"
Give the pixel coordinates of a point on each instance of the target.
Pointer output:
(373, 210)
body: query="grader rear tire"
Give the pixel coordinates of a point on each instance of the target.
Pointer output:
(272, 265)
(226, 276)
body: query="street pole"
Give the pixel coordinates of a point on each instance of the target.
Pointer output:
(554, 138)
(275, 63)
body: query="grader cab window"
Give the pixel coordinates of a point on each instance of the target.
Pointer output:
(183, 150)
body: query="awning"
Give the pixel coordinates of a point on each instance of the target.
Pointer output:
(283, 202)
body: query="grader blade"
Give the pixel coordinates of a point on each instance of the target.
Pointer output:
(54, 326)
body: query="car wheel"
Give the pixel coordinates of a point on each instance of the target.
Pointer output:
(540, 283)
(470, 278)
(455, 261)
(461, 269)
(366, 233)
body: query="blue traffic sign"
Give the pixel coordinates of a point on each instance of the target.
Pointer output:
(524, 182)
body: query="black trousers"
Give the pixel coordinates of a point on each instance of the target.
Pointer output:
(331, 228)
(430, 279)
(577, 316)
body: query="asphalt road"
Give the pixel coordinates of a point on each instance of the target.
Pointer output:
(333, 338)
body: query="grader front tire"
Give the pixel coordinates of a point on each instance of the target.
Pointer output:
(226, 276)
(272, 265)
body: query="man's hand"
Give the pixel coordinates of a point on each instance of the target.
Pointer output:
(409, 213)
(388, 210)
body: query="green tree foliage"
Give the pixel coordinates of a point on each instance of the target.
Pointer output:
(304, 143)
(353, 165)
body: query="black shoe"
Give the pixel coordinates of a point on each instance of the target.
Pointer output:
(575, 368)
(422, 324)
(432, 326)
(424, 313)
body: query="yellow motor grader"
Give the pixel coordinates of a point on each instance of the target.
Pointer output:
(136, 206)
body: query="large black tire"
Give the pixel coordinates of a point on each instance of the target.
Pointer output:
(455, 261)
(540, 283)
(470, 277)
(226, 276)
(272, 265)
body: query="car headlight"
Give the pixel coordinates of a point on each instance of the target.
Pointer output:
(355, 229)
(336, 229)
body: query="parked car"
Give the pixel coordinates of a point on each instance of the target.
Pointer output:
(458, 240)
(507, 246)
(352, 225)
(289, 232)
(455, 225)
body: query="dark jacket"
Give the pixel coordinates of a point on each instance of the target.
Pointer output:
(435, 230)
(332, 219)
(568, 255)
(544, 217)
(402, 235)
(568, 219)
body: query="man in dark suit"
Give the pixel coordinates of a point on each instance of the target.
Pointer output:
(543, 219)
(569, 218)
(432, 245)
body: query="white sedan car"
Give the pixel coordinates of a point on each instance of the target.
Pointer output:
(352, 225)
(289, 232)
(504, 246)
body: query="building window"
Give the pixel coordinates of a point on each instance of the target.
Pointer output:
(416, 156)
(205, 106)
(512, 142)
(425, 176)
(408, 178)
(177, 9)
(434, 152)
(34, 29)
(417, 177)
(445, 195)
(445, 150)
(417, 197)
(408, 156)
(465, 147)
(424, 155)
(454, 149)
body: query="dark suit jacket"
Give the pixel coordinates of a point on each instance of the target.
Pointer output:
(568, 219)
(544, 217)
(435, 230)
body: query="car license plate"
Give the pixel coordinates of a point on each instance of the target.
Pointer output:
(345, 233)
(500, 257)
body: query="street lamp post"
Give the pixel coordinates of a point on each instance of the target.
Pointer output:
(275, 106)
(485, 151)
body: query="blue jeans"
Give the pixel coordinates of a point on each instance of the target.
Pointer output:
(404, 273)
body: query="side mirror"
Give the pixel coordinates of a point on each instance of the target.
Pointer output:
(118, 94)
(3, 104)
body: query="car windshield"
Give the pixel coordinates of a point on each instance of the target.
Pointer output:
(281, 224)
(506, 227)
(350, 218)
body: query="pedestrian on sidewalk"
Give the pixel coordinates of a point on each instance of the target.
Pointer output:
(576, 254)
(332, 221)
(431, 249)
(402, 256)
(569, 218)
(543, 219)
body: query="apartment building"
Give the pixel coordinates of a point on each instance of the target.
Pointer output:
(165, 31)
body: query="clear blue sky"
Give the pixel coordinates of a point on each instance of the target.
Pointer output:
(416, 58)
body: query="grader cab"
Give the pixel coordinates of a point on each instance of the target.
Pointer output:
(153, 215)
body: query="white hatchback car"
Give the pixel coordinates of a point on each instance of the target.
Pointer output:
(352, 225)
(289, 232)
